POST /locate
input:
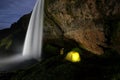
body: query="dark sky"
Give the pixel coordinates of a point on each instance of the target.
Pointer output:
(12, 10)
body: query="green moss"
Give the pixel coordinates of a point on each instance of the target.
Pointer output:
(49, 1)
(77, 50)
(116, 30)
(50, 50)
(6, 42)
(116, 77)
(115, 34)
(55, 68)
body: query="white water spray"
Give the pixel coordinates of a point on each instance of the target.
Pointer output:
(33, 41)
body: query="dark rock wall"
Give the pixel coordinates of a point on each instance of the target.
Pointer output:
(86, 21)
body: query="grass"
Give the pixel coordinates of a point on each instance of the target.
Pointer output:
(57, 68)
(6, 42)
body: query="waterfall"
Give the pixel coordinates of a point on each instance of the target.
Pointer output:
(33, 41)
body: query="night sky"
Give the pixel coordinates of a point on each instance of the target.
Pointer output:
(12, 10)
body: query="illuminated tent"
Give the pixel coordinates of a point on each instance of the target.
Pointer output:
(73, 56)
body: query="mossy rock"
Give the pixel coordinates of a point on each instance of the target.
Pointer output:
(50, 51)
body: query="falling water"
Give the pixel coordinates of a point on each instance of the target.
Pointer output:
(33, 41)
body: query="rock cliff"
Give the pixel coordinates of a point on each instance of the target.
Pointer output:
(93, 24)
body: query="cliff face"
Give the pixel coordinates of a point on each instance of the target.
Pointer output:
(94, 25)
(91, 23)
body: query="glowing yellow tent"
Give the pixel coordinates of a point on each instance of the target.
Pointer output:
(73, 56)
